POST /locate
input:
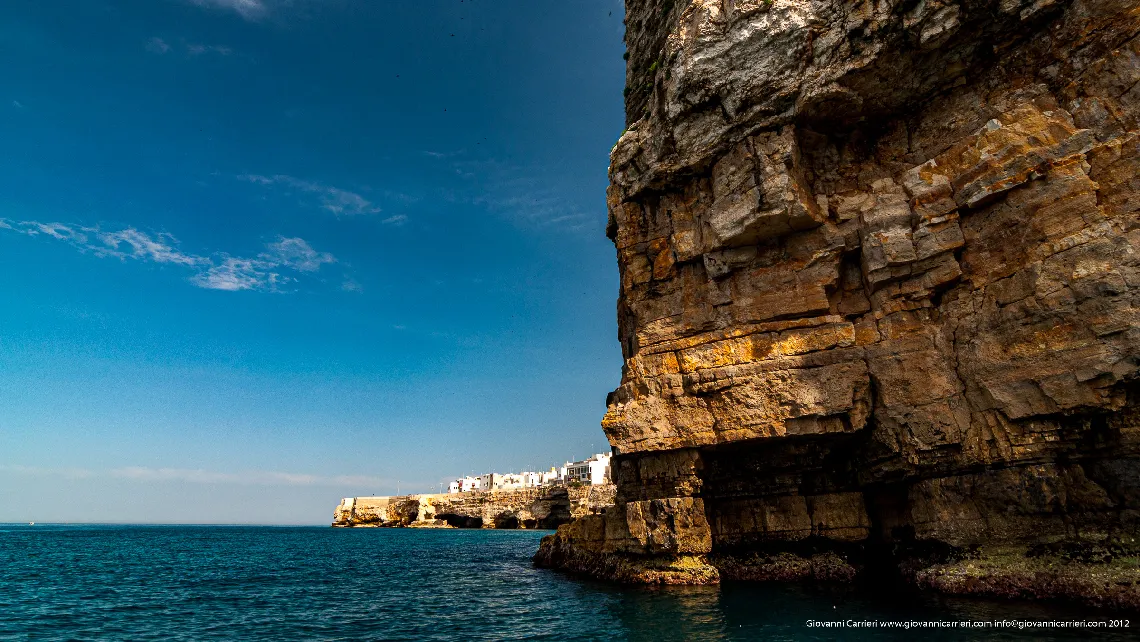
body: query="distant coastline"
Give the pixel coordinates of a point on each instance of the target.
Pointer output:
(546, 507)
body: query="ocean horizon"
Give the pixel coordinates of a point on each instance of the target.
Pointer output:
(192, 582)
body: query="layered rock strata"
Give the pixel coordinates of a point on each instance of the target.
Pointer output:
(522, 508)
(879, 285)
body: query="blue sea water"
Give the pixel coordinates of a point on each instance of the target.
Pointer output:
(87, 582)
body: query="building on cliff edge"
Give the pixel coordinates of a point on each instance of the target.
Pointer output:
(593, 471)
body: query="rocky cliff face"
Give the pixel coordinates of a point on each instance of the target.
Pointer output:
(521, 508)
(879, 286)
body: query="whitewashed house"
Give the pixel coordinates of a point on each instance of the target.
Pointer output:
(593, 471)
(551, 476)
(464, 485)
(499, 481)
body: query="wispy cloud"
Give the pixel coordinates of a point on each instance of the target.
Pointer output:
(265, 478)
(54, 230)
(157, 45)
(444, 154)
(131, 243)
(336, 200)
(234, 274)
(524, 196)
(192, 49)
(17, 104)
(297, 254)
(201, 476)
(248, 9)
(517, 193)
(398, 219)
(38, 471)
(218, 271)
(198, 49)
(529, 201)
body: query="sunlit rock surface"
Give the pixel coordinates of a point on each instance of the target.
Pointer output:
(547, 507)
(879, 289)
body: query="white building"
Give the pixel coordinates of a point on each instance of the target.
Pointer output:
(464, 485)
(489, 481)
(551, 476)
(512, 481)
(533, 479)
(499, 481)
(593, 471)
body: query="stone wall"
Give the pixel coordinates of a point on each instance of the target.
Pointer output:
(522, 508)
(879, 285)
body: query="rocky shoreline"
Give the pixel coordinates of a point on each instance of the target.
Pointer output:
(1107, 581)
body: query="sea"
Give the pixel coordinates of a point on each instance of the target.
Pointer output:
(96, 582)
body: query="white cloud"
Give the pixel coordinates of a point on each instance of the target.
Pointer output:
(201, 476)
(56, 231)
(219, 271)
(339, 201)
(297, 254)
(17, 104)
(248, 9)
(138, 245)
(336, 200)
(234, 274)
(398, 219)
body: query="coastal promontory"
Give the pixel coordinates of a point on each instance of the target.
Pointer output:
(879, 284)
(542, 507)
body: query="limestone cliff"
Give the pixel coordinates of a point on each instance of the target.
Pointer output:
(521, 508)
(879, 285)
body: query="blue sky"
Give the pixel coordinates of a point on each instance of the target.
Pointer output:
(260, 254)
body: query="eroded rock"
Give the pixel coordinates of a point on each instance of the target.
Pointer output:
(880, 276)
(545, 507)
